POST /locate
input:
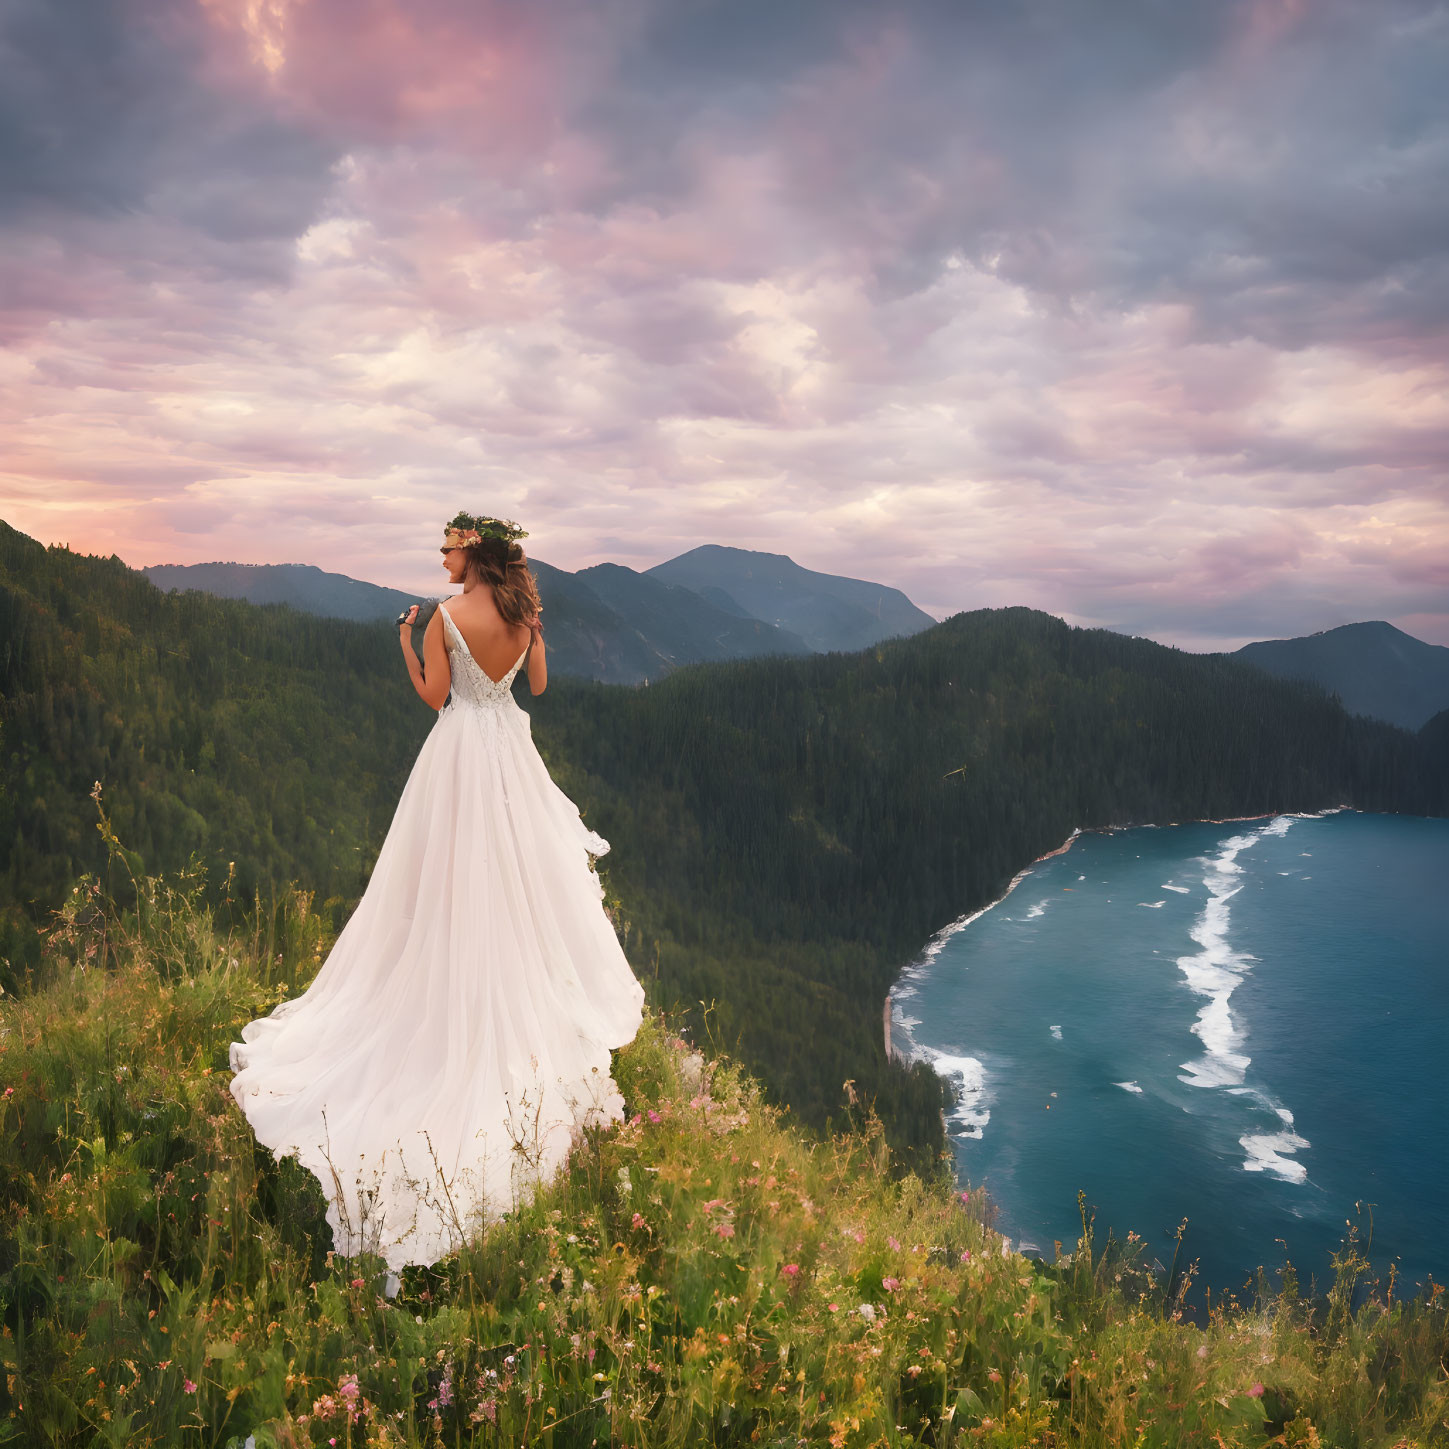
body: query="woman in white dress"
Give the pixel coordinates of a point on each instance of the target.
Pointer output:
(457, 1037)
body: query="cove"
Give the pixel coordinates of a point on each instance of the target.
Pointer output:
(1242, 1024)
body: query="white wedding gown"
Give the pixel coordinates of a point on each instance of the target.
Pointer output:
(458, 1035)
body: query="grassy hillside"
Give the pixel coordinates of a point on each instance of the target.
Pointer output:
(704, 1273)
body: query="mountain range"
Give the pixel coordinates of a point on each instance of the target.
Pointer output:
(622, 626)
(616, 624)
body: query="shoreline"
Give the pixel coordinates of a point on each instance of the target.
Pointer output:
(933, 946)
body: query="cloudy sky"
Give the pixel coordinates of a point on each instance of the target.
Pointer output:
(1132, 310)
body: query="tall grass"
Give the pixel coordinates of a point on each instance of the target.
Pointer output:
(703, 1273)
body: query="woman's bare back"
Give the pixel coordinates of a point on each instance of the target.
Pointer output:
(494, 644)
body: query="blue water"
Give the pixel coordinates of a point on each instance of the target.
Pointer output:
(1244, 1025)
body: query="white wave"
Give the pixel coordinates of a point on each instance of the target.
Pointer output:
(1056, 1032)
(972, 1110)
(1039, 909)
(1272, 1152)
(1129, 1087)
(1181, 890)
(1214, 972)
(1081, 877)
(1216, 969)
(1152, 905)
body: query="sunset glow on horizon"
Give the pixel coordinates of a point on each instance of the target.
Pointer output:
(1138, 314)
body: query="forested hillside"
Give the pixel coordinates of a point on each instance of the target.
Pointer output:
(257, 736)
(786, 832)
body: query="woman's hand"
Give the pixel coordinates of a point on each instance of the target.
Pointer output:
(405, 626)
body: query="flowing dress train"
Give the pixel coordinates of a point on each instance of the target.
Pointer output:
(458, 1035)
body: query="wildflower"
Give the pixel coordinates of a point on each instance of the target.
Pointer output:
(994, 1376)
(791, 1270)
(9, 1092)
(725, 1230)
(359, 1283)
(965, 1255)
(189, 1387)
(893, 1244)
(350, 1393)
(833, 1307)
(1256, 1392)
(638, 1220)
(867, 1312)
(653, 1115)
(890, 1284)
(1202, 1350)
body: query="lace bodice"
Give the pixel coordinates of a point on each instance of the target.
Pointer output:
(471, 684)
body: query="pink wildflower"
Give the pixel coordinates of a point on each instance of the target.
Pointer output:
(638, 1220)
(189, 1387)
(965, 1255)
(791, 1270)
(890, 1284)
(359, 1283)
(653, 1115)
(833, 1307)
(349, 1392)
(1256, 1392)
(895, 1246)
(725, 1230)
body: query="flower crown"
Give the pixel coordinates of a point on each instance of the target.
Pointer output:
(468, 528)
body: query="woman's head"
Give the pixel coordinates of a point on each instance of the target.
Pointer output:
(487, 551)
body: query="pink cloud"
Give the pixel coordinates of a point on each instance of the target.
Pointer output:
(847, 312)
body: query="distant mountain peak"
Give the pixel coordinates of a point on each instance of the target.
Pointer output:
(828, 611)
(1373, 667)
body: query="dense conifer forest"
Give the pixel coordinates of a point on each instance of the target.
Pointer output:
(248, 734)
(787, 832)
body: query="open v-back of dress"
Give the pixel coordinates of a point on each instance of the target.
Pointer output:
(458, 1034)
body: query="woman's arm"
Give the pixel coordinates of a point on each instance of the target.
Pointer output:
(537, 662)
(433, 677)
